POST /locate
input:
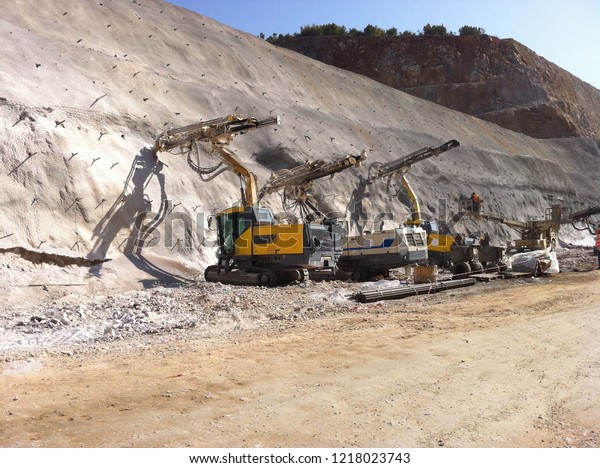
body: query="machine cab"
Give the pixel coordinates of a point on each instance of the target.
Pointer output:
(431, 227)
(232, 223)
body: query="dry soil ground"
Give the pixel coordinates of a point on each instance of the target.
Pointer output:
(512, 363)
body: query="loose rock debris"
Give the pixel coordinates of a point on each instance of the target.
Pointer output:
(211, 309)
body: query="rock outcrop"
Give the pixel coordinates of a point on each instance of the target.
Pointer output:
(499, 80)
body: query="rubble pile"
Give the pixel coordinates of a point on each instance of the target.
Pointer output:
(202, 309)
(210, 308)
(68, 322)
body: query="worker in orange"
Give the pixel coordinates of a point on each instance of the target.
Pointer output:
(474, 201)
(597, 247)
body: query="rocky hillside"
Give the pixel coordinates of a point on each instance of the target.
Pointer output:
(499, 80)
(86, 87)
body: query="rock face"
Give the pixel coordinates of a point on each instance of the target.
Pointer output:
(499, 80)
(86, 87)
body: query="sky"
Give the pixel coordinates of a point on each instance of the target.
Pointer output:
(564, 32)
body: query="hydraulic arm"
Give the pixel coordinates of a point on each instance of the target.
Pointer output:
(296, 182)
(379, 171)
(401, 166)
(214, 130)
(218, 133)
(582, 217)
(301, 177)
(518, 225)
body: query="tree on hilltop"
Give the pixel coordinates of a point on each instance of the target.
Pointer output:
(471, 31)
(371, 30)
(332, 29)
(329, 29)
(435, 30)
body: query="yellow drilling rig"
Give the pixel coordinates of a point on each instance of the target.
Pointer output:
(252, 248)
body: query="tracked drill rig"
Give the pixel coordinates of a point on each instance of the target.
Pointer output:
(376, 252)
(252, 248)
(295, 183)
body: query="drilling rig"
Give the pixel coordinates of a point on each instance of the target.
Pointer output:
(294, 185)
(374, 253)
(252, 248)
(541, 234)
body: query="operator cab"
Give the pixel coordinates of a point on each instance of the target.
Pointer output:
(232, 223)
(431, 227)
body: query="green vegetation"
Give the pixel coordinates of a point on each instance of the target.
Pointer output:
(332, 29)
(471, 31)
(436, 30)
(329, 29)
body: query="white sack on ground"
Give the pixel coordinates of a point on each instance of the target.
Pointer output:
(535, 261)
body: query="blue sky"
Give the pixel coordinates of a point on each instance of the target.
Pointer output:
(564, 32)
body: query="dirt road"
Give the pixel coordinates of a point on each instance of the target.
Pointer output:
(507, 364)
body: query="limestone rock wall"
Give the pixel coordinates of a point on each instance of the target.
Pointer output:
(499, 80)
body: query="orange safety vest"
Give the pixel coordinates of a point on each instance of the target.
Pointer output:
(475, 198)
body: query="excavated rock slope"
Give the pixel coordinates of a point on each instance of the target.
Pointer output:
(86, 87)
(499, 80)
